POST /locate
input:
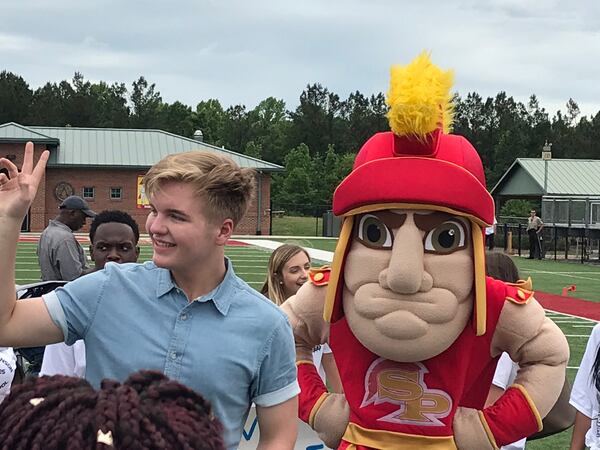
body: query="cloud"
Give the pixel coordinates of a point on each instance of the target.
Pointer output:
(242, 52)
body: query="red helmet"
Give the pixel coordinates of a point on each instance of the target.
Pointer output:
(432, 170)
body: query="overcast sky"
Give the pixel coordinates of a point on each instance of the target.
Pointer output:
(242, 51)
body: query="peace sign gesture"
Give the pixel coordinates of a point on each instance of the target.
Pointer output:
(18, 190)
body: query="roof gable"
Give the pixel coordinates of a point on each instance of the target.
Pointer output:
(565, 177)
(13, 132)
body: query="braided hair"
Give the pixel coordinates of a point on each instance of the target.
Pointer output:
(147, 411)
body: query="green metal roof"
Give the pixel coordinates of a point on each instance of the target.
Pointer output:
(116, 147)
(569, 177)
(13, 132)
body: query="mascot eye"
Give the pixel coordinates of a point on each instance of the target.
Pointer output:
(373, 232)
(446, 238)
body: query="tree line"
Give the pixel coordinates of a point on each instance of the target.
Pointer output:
(316, 141)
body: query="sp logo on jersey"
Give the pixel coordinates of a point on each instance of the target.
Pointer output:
(403, 384)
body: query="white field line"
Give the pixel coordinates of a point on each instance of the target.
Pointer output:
(564, 274)
(571, 315)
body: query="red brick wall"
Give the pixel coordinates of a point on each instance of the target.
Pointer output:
(102, 180)
(45, 204)
(37, 212)
(249, 224)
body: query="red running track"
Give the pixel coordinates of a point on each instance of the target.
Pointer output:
(569, 305)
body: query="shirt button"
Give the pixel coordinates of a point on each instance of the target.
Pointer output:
(184, 317)
(173, 355)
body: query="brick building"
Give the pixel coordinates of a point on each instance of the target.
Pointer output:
(105, 167)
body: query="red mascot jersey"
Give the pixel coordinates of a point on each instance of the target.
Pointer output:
(412, 405)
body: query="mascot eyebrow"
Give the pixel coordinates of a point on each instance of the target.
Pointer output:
(425, 222)
(428, 222)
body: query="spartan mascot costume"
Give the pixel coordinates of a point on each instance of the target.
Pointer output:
(415, 326)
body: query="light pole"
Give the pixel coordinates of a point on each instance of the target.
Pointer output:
(546, 156)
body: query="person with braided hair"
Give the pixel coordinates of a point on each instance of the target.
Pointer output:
(147, 411)
(185, 313)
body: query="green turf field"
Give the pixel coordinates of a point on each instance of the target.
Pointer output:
(250, 263)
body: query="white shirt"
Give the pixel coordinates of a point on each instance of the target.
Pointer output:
(506, 372)
(63, 359)
(8, 364)
(584, 395)
(318, 352)
(492, 228)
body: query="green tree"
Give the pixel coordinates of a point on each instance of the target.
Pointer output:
(267, 127)
(111, 100)
(15, 98)
(363, 117)
(146, 104)
(253, 149)
(210, 119)
(294, 190)
(517, 208)
(236, 130)
(177, 118)
(50, 105)
(317, 121)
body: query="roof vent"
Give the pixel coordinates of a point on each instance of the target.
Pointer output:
(198, 136)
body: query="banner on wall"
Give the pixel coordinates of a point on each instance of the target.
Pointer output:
(142, 200)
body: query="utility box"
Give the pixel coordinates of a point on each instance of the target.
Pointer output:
(331, 224)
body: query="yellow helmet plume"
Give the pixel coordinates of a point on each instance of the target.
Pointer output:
(419, 98)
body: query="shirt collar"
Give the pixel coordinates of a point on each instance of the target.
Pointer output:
(220, 296)
(59, 224)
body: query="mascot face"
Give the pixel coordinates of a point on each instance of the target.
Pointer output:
(408, 282)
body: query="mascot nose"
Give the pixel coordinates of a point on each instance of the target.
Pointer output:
(406, 273)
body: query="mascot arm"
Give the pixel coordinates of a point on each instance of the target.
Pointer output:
(305, 314)
(327, 413)
(541, 350)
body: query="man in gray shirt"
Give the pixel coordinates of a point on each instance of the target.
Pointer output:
(61, 256)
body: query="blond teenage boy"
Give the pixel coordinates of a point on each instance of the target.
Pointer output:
(185, 313)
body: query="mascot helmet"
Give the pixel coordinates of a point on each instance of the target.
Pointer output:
(417, 165)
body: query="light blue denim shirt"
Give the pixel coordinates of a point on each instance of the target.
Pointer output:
(232, 345)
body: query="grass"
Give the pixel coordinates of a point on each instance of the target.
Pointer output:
(552, 276)
(297, 226)
(250, 263)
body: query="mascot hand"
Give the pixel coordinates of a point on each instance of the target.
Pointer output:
(331, 420)
(469, 433)
(305, 313)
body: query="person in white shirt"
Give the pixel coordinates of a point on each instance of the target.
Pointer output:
(114, 237)
(584, 397)
(490, 234)
(8, 365)
(561, 417)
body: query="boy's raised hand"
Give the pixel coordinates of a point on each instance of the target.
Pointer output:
(18, 190)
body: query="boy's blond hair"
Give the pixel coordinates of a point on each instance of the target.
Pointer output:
(225, 188)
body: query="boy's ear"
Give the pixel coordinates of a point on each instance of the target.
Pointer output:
(225, 232)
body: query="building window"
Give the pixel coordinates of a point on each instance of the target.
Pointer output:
(116, 193)
(88, 193)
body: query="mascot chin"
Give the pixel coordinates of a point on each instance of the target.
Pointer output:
(415, 326)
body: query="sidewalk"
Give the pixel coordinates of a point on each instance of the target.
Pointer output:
(321, 255)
